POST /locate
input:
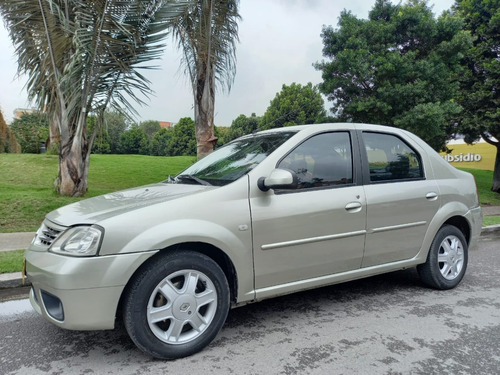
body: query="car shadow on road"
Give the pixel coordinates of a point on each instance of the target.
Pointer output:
(354, 295)
(246, 323)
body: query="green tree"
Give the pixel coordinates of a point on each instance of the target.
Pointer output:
(243, 125)
(183, 141)
(115, 124)
(31, 130)
(8, 141)
(134, 141)
(222, 134)
(150, 127)
(399, 67)
(480, 94)
(101, 144)
(161, 143)
(81, 57)
(206, 34)
(294, 105)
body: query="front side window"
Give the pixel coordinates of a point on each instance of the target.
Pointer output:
(322, 160)
(234, 160)
(391, 159)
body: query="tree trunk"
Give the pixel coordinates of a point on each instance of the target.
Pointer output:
(205, 139)
(496, 171)
(204, 88)
(204, 106)
(73, 171)
(54, 134)
(74, 158)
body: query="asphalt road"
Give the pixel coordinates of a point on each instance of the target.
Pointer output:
(388, 324)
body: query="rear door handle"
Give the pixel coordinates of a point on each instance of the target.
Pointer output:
(432, 196)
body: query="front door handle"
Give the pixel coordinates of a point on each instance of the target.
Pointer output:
(353, 207)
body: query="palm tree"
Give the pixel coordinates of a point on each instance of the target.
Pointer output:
(83, 56)
(206, 34)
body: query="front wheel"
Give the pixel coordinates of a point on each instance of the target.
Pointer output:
(447, 259)
(176, 304)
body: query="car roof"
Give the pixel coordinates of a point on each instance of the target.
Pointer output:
(334, 126)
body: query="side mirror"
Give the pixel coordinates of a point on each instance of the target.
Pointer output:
(278, 179)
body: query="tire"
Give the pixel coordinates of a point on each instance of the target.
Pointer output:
(176, 304)
(447, 259)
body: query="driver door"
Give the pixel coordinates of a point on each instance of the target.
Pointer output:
(317, 229)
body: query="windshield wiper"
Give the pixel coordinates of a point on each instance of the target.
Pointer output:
(190, 177)
(169, 180)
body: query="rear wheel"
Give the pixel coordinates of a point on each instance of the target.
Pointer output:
(447, 259)
(176, 304)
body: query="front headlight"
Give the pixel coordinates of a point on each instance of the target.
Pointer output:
(78, 241)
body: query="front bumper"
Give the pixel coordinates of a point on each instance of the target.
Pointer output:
(80, 293)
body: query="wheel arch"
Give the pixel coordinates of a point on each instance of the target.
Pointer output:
(462, 224)
(446, 272)
(218, 256)
(452, 213)
(209, 250)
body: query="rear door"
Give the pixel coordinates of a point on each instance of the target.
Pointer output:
(401, 201)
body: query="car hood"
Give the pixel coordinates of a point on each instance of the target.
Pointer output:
(93, 210)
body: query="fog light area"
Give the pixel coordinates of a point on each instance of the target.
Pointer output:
(53, 306)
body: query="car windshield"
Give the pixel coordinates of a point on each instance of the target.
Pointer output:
(234, 160)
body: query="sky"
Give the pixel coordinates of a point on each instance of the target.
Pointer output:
(279, 42)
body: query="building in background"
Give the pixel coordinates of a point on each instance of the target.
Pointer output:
(18, 112)
(166, 124)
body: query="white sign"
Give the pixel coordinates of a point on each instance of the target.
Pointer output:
(462, 157)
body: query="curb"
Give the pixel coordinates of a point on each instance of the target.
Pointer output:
(14, 280)
(490, 229)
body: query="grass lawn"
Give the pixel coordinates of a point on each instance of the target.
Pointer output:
(11, 261)
(491, 220)
(26, 192)
(26, 183)
(486, 196)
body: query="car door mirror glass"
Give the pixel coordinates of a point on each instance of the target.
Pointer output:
(278, 179)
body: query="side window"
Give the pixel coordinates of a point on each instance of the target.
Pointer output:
(391, 159)
(323, 160)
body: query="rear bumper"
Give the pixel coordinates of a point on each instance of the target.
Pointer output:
(475, 217)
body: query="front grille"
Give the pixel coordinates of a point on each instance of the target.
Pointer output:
(47, 234)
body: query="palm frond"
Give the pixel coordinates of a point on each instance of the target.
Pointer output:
(207, 34)
(84, 53)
